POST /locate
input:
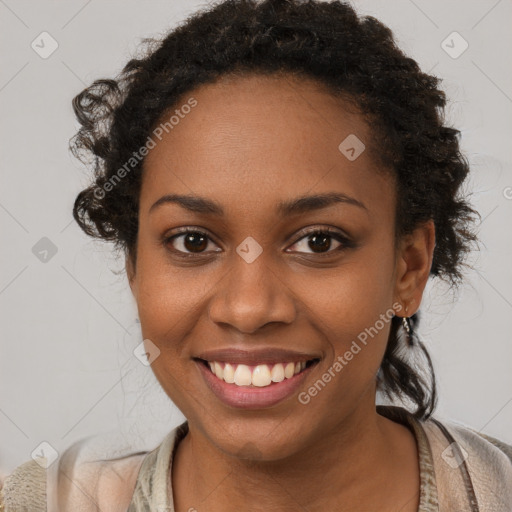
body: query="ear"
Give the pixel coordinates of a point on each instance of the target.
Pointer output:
(414, 261)
(130, 273)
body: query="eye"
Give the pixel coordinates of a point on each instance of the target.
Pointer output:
(189, 242)
(319, 241)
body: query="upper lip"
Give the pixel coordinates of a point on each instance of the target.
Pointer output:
(259, 356)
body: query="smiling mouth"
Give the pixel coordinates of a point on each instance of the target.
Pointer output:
(261, 375)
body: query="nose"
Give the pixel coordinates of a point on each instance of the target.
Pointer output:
(252, 295)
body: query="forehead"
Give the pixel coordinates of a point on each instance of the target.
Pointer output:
(263, 136)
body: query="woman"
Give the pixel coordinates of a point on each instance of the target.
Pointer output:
(280, 180)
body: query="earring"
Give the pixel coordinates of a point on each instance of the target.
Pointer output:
(409, 334)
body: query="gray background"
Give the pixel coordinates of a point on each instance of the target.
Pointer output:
(68, 324)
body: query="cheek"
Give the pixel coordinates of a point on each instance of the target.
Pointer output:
(169, 302)
(355, 326)
(355, 334)
(355, 320)
(166, 294)
(353, 295)
(168, 312)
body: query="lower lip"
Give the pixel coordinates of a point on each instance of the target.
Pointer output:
(247, 397)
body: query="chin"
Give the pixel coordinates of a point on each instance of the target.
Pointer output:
(262, 439)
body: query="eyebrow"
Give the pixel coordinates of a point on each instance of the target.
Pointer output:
(295, 206)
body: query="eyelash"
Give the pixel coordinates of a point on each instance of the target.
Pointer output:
(345, 242)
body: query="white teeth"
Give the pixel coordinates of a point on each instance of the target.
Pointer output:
(259, 376)
(243, 375)
(218, 370)
(277, 373)
(289, 370)
(229, 373)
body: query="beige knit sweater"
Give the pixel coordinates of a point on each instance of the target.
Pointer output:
(460, 470)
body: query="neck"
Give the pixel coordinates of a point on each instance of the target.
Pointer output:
(356, 461)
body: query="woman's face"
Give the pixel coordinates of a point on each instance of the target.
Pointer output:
(259, 290)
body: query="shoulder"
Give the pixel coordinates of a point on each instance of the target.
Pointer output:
(24, 488)
(83, 480)
(457, 448)
(487, 449)
(88, 477)
(77, 481)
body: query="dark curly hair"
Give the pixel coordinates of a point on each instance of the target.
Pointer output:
(357, 59)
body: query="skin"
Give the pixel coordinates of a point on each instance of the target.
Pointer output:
(276, 139)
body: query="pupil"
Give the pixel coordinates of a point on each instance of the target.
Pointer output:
(319, 237)
(197, 242)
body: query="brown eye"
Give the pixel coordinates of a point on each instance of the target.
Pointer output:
(195, 242)
(189, 242)
(319, 241)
